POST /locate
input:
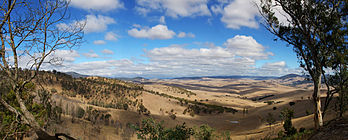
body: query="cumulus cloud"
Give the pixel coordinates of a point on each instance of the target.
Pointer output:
(237, 56)
(99, 5)
(157, 32)
(99, 42)
(65, 55)
(277, 69)
(174, 8)
(183, 34)
(107, 51)
(97, 23)
(243, 13)
(91, 54)
(110, 36)
(274, 65)
(246, 46)
(142, 11)
(58, 57)
(91, 23)
(240, 13)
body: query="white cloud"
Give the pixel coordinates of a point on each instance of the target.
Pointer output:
(273, 65)
(276, 69)
(91, 54)
(240, 13)
(183, 34)
(237, 56)
(243, 13)
(58, 57)
(65, 55)
(110, 36)
(99, 5)
(174, 8)
(156, 32)
(107, 51)
(99, 42)
(246, 46)
(217, 9)
(136, 25)
(142, 11)
(97, 23)
(91, 24)
(162, 20)
(280, 14)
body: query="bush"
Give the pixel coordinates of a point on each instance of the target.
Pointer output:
(269, 102)
(53, 90)
(150, 129)
(172, 116)
(80, 112)
(226, 135)
(287, 115)
(204, 132)
(291, 103)
(180, 132)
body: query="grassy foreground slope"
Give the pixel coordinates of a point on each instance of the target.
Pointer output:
(105, 108)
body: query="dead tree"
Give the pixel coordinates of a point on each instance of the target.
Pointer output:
(30, 33)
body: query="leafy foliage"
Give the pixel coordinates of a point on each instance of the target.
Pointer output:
(204, 132)
(43, 111)
(150, 129)
(80, 112)
(287, 115)
(196, 107)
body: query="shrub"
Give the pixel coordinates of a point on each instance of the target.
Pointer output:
(302, 130)
(291, 103)
(269, 102)
(226, 135)
(204, 132)
(172, 116)
(180, 132)
(150, 129)
(53, 90)
(307, 112)
(287, 115)
(80, 112)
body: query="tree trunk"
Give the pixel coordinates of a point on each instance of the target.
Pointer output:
(341, 102)
(318, 119)
(30, 119)
(342, 89)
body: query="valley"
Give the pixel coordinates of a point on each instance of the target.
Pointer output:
(237, 105)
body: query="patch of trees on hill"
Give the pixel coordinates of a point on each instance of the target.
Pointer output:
(195, 107)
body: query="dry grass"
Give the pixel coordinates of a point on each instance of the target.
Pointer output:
(232, 93)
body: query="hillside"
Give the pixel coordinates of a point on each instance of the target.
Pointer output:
(106, 108)
(335, 130)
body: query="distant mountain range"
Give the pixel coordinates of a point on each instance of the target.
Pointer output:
(291, 76)
(242, 77)
(135, 79)
(76, 75)
(140, 79)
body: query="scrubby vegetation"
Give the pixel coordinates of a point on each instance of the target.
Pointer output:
(152, 130)
(196, 107)
(43, 110)
(181, 90)
(98, 91)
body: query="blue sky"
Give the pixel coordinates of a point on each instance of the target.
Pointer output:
(174, 38)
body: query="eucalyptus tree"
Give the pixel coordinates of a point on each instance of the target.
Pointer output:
(30, 31)
(313, 29)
